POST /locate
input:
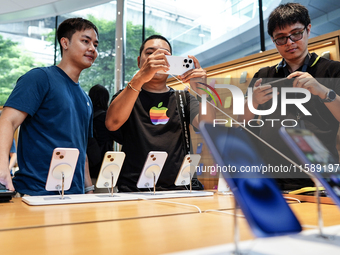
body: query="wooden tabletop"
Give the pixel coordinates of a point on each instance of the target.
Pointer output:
(131, 227)
(154, 235)
(17, 214)
(307, 214)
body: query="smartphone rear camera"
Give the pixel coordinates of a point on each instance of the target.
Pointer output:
(190, 61)
(61, 156)
(187, 65)
(185, 60)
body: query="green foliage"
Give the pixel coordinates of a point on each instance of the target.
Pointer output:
(13, 63)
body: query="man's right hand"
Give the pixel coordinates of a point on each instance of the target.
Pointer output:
(261, 94)
(155, 62)
(6, 179)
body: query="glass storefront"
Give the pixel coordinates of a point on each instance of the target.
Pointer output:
(214, 31)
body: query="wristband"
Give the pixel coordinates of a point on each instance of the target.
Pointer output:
(129, 85)
(89, 188)
(209, 98)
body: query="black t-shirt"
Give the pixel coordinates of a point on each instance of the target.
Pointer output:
(321, 122)
(144, 132)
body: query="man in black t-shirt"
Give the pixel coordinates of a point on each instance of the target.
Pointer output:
(289, 27)
(134, 110)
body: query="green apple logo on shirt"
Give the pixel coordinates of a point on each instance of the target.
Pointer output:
(158, 114)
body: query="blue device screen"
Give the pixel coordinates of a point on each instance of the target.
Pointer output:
(258, 196)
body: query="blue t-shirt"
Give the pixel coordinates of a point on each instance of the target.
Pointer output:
(59, 115)
(13, 148)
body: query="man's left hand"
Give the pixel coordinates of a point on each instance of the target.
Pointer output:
(307, 81)
(198, 74)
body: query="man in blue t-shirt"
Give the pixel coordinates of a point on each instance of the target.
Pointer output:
(53, 111)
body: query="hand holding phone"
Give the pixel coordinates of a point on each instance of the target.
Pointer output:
(178, 65)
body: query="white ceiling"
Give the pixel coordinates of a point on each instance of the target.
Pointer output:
(21, 10)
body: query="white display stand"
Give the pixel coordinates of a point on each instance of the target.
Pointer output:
(306, 242)
(110, 170)
(78, 198)
(172, 194)
(222, 186)
(106, 197)
(61, 171)
(187, 170)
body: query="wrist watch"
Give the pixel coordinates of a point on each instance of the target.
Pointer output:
(330, 97)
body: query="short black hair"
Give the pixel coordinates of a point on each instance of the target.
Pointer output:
(153, 37)
(287, 14)
(69, 26)
(99, 96)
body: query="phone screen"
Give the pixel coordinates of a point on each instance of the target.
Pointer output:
(318, 160)
(284, 82)
(257, 195)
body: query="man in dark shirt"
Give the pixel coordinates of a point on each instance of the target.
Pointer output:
(289, 27)
(135, 112)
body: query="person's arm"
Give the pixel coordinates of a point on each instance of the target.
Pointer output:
(307, 81)
(121, 107)
(194, 76)
(10, 120)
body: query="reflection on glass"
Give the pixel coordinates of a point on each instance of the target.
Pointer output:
(194, 23)
(23, 45)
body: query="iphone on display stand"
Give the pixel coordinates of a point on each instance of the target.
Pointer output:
(255, 193)
(110, 170)
(315, 159)
(152, 169)
(62, 166)
(178, 65)
(187, 170)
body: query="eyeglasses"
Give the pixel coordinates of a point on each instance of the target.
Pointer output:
(297, 36)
